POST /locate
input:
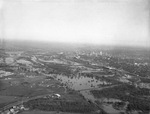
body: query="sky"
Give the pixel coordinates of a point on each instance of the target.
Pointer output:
(112, 22)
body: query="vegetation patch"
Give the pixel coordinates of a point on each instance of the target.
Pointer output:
(60, 105)
(135, 96)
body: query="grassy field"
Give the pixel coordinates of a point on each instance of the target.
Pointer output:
(4, 100)
(14, 88)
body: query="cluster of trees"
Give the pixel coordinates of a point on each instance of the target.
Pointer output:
(124, 92)
(145, 80)
(141, 70)
(126, 64)
(121, 91)
(119, 105)
(60, 105)
(60, 68)
(138, 104)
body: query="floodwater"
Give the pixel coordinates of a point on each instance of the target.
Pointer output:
(80, 82)
(84, 84)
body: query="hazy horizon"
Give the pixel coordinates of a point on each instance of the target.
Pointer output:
(109, 22)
